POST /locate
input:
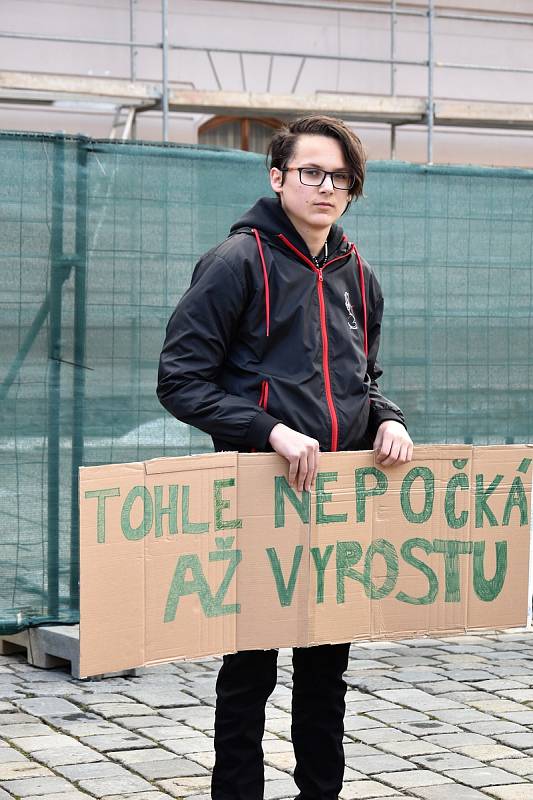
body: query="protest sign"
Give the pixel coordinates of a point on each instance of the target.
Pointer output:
(201, 555)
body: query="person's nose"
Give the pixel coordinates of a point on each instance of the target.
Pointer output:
(327, 184)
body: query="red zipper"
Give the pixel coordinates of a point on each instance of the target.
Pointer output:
(325, 344)
(263, 397)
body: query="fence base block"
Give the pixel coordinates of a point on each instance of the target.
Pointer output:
(50, 646)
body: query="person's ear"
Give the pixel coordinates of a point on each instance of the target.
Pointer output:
(276, 179)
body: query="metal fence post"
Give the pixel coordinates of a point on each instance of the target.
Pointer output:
(393, 20)
(80, 330)
(54, 375)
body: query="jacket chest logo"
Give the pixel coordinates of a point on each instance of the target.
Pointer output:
(352, 322)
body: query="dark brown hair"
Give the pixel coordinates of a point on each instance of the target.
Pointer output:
(283, 144)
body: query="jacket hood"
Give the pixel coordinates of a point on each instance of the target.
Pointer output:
(270, 219)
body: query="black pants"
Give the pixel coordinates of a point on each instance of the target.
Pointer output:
(244, 684)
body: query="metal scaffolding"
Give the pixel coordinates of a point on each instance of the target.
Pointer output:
(136, 96)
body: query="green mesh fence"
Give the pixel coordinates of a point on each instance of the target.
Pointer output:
(97, 242)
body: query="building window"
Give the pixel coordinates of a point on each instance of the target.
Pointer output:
(241, 133)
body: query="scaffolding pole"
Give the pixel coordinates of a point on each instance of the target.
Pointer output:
(431, 69)
(164, 98)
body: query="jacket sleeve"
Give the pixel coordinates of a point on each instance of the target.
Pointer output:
(381, 408)
(198, 338)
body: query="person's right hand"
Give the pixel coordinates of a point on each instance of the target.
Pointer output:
(302, 452)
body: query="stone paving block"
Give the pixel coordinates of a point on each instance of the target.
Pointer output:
(77, 754)
(370, 684)
(429, 727)
(379, 735)
(161, 697)
(117, 741)
(369, 765)
(522, 695)
(392, 716)
(22, 769)
(155, 795)
(370, 703)
(99, 787)
(353, 749)
(72, 794)
(446, 687)
(174, 788)
(355, 722)
(357, 665)
(100, 769)
(53, 706)
(520, 717)
(39, 786)
(414, 698)
(281, 725)
(282, 761)
(278, 746)
(141, 756)
(31, 744)
(196, 744)
(148, 721)
(442, 762)
(8, 755)
(112, 710)
(489, 752)
(454, 740)
(419, 675)
(96, 697)
(518, 791)
(276, 790)
(518, 766)
(487, 776)
(409, 661)
(199, 718)
(408, 779)
(414, 747)
(494, 726)
(203, 796)
(84, 725)
(520, 741)
(363, 790)
(16, 717)
(461, 716)
(171, 731)
(169, 768)
(496, 705)
(206, 760)
(449, 791)
(462, 659)
(499, 685)
(471, 675)
(25, 729)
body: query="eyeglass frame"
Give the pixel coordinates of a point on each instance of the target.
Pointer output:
(326, 174)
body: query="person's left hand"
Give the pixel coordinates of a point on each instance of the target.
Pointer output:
(392, 444)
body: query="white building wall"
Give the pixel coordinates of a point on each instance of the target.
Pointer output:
(322, 31)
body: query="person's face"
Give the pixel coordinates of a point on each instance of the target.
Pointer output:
(312, 207)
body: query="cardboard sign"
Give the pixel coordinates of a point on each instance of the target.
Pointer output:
(202, 555)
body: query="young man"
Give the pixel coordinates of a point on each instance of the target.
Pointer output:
(274, 347)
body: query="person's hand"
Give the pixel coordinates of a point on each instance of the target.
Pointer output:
(392, 444)
(302, 452)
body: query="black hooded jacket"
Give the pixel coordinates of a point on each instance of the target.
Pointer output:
(263, 335)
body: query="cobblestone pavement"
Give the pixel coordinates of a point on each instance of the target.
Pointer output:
(442, 719)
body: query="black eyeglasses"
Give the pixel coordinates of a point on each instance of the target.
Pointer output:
(312, 176)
